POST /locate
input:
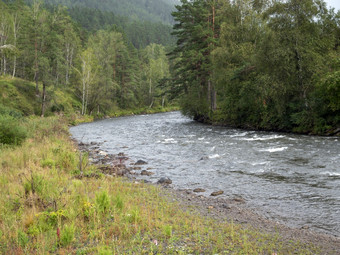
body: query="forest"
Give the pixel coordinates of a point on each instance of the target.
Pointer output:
(269, 65)
(99, 68)
(256, 64)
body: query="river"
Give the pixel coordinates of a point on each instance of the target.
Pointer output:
(294, 179)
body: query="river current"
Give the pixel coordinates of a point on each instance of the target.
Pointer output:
(294, 179)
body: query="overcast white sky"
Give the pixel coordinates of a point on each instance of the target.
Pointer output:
(333, 3)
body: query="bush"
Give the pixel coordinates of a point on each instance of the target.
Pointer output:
(11, 132)
(9, 111)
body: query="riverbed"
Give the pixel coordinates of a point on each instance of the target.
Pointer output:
(294, 179)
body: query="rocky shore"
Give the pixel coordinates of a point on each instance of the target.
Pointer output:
(214, 206)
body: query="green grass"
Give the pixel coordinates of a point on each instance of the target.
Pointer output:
(46, 209)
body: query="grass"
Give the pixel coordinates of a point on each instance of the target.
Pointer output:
(46, 208)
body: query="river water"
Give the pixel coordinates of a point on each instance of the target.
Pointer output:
(293, 179)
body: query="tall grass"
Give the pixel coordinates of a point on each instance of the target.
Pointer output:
(46, 209)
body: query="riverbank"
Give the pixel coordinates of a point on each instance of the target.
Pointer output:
(221, 210)
(53, 200)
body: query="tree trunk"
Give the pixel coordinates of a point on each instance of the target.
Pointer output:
(43, 100)
(36, 71)
(163, 101)
(14, 66)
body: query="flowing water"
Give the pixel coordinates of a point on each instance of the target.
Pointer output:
(294, 179)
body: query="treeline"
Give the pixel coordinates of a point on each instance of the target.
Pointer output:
(102, 70)
(272, 65)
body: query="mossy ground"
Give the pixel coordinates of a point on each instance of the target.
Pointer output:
(45, 208)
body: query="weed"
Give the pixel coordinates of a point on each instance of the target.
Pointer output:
(23, 239)
(102, 201)
(118, 202)
(67, 235)
(50, 163)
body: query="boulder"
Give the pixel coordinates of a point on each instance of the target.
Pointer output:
(141, 162)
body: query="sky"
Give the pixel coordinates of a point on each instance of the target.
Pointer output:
(333, 3)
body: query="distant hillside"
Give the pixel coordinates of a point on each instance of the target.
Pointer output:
(139, 33)
(150, 10)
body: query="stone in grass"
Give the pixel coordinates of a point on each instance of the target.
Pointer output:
(199, 190)
(164, 180)
(217, 193)
(141, 162)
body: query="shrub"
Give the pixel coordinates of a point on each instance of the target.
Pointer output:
(11, 132)
(9, 111)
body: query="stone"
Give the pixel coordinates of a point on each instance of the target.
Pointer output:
(164, 180)
(199, 190)
(217, 193)
(141, 162)
(239, 200)
(136, 168)
(147, 173)
(103, 153)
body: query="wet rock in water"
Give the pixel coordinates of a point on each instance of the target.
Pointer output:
(199, 190)
(93, 143)
(136, 168)
(141, 162)
(217, 193)
(239, 200)
(147, 173)
(164, 180)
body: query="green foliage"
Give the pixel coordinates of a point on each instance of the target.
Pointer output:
(48, 163)
(9, 111)
(35, 184)
(261, 65)
(67, 235)
(118, 202)
(12, 132)
(102, 201)
(23, 239)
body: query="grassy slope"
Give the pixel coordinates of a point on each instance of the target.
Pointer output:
(20, 95)
(45, 208)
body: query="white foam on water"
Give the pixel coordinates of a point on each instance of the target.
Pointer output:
(201, 138)
(214, 156)
(256, 138)
(330, 173)
(213, 148)
(169, 140)
(258, 163)
(275, 149)
(239, 134)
